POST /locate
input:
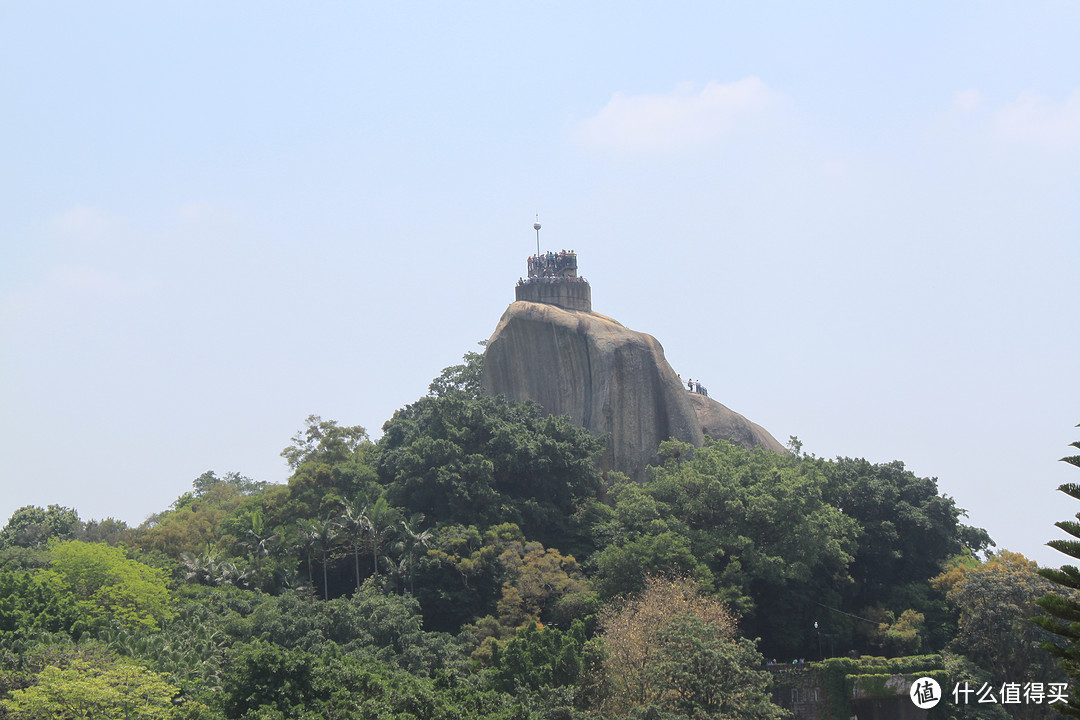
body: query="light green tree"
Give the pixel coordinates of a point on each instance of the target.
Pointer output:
(324, 441)
(82, 690)
(106, 584)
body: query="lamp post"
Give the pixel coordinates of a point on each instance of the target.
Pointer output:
(818, 631)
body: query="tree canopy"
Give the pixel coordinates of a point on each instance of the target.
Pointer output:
(476, 561)
(483, 461)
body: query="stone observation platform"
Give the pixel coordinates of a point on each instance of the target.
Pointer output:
(553, 280)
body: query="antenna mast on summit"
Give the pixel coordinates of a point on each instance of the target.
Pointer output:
(536, 227)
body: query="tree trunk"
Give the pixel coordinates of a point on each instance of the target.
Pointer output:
(356, 562)
(375, 552)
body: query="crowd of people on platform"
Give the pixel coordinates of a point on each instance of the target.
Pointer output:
(550, 263)
(695, 387)
(531, 280)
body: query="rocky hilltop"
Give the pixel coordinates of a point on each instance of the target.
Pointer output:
(607, 378)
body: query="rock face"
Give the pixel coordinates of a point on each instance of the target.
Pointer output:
(721, 423)
(609, 379)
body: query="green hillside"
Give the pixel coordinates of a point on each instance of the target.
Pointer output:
(475, 563)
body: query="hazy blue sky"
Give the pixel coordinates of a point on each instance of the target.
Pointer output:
(856, 223)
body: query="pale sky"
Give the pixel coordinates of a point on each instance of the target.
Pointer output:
(855, 223)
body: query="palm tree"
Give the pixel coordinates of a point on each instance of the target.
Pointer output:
(378, 518)
(397, 570)
(413, 540)
(207, 568)
(229, 573)
(355, 522)
(260, 542)
(198, 567)
(308, 541)
(321, 535)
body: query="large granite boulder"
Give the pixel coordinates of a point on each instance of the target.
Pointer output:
(608, 379)
(721, 423)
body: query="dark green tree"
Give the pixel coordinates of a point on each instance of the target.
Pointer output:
(909, 532)
(319, 489)
(110, 530)
(33, 526)
(483, 461)
(754, 524)
(34, 602)
(459, 578)
(539, 658)
(262, 674)
(378, 520)
(622, 569)
(1062, 608)
(463, 378)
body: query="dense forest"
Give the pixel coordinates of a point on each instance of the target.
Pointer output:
(474, 562)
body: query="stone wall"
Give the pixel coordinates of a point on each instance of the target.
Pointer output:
(799, 689)
(567, 295)
(856, 689)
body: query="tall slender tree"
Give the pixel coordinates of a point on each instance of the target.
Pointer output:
(260, 542)
(412, 541)
(1063, 607)
(308, 541)
(379, 518)
(321, 534)
(354, 523)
